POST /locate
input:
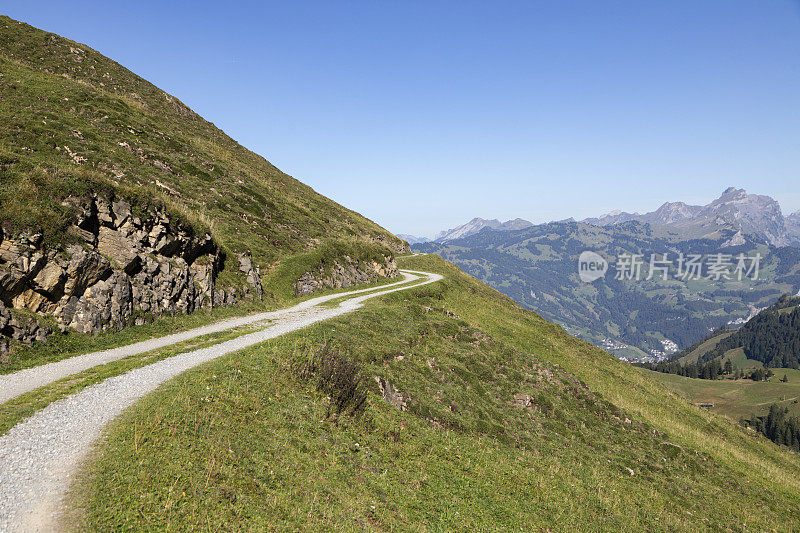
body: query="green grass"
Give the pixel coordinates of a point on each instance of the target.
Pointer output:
(25, 405)
(57, 93)
(70, 343)
(703, 348)
(603, 447)
(738, 399)
(58, 97)
(15, 410)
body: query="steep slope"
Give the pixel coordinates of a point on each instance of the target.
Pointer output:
(479, 416)
(793, 227)
(114, 190)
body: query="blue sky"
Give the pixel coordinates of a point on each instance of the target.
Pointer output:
(422, 115)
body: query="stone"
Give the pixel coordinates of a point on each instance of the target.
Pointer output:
(87, 236)
(24, 330)
(128, 265)
(345, 272)
(391, 395)
(32, 301)
(50, 279)
(104, 214)
(85, 269)
(10, 251)
(105, 304)
(122, 212)
(11, 284)
(119, 249)
(5, 316)
(253, 276)
(524, 401)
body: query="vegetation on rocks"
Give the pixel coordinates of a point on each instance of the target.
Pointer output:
(104, 174)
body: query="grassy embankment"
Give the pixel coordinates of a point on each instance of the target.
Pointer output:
(244, 442)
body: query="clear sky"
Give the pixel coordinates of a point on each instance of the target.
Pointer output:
(424, 114)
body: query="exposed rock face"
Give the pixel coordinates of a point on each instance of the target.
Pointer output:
(477, 224)
(253, 274)
(750, 214)
(345, 273)
(793, 227)
(390, 394)
(126, 266)
(25, 330)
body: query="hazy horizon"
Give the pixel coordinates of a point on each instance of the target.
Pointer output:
(596, 215)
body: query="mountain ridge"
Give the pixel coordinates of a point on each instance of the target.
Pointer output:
(750, 213)
(472, 227)
(642, 318)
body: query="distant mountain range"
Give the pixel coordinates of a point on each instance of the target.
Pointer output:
(470, 228)
(754, 215)
(793, 226)
(750, 214)
(536, 265)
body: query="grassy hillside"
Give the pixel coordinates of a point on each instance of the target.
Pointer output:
(72, 120)
(75, 124)
(509, 423)
(693, 353)
(738, 399)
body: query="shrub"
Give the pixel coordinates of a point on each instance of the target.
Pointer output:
(337, 375)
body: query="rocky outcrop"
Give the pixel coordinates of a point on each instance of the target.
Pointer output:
(391, 395)
(252, 273)
(24, 330)
(123, 267)
(345, 272)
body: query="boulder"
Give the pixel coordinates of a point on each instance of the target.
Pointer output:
(391, 395)
(32, 301)
(122, 212)
(253, 276)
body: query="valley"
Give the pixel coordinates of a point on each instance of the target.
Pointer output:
(660, 310)
(738, 399)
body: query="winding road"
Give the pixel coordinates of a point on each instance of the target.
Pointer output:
(39, 455)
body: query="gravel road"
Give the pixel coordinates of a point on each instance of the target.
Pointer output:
(14, 384)
(39, 455)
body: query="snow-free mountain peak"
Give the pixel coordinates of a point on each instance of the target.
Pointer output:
(752, 214)
(477, 224)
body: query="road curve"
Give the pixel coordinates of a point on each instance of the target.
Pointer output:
(16, 383)
(39, 455)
